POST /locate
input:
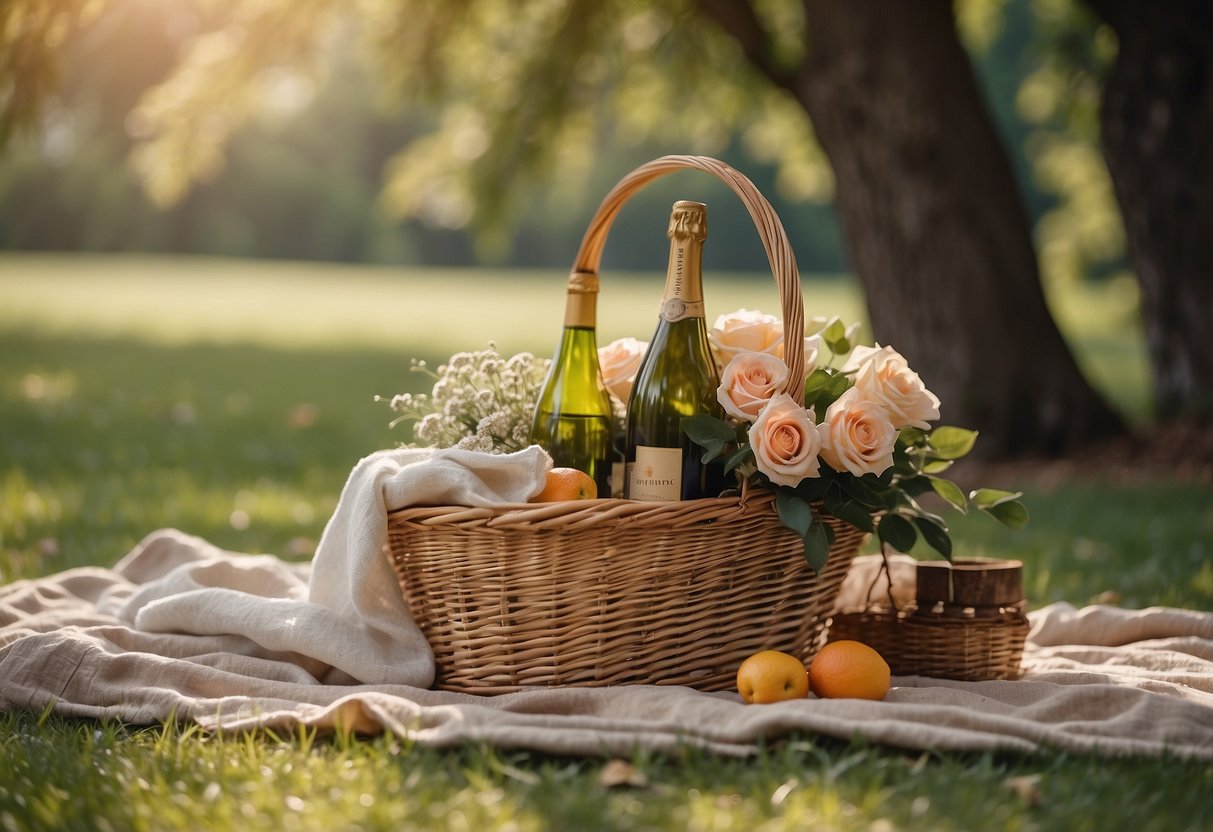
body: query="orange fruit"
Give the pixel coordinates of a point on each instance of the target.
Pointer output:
(566, 484)
(772, 676)
(849, 670)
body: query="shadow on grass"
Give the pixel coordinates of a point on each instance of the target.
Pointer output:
(104, 440)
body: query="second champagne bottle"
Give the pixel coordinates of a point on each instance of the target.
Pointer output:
(677, 378)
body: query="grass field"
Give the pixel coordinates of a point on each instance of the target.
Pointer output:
(230, 399)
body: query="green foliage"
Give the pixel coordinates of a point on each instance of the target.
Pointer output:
(486, 98)
(823, 387)
(709, 433)
(883, 504)
(1082, 233)
(29, 66)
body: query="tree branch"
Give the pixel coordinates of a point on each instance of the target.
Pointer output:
(738, 20)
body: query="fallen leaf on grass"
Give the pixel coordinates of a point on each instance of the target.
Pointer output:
(1027, 787)
(618, 773)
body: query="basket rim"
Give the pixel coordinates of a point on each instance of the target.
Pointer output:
(576, 514)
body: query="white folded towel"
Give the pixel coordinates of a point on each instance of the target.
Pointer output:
(349, 622)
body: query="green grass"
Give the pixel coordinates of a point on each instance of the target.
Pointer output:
(231, 400)
(74, 775)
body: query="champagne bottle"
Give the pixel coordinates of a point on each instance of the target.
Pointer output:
(677, 378)
(573, 419)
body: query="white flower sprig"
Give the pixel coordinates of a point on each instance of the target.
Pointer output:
(479, 401)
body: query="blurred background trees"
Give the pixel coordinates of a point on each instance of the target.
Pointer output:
(946, 153)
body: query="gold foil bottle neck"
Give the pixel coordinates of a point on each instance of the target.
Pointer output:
(583, 283)
(688, 219)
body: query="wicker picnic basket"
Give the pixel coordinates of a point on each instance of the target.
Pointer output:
(609, 591)
(961, 624)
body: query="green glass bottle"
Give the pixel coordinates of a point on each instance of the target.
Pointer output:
(677, 378)
(573, 415)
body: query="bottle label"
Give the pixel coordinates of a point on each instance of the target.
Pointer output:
(675, 309)
(656, 474)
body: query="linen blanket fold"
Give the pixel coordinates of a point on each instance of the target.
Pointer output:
(179, 628)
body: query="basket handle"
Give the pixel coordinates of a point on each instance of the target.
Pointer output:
(770, 229)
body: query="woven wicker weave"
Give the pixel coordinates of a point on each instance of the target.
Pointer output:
(609, 592)
(943, 639)
(917, 643)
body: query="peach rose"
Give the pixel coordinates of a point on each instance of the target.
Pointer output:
(857, 435)
(748, 382)
(812, 349)
(883, 376)
(785, 442)
(619, 361)
(746, 330)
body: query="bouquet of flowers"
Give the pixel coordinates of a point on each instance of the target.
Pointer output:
(859, 446)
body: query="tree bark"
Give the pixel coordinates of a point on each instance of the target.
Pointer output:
(1157, 132)
(936, 226)
(933, 220)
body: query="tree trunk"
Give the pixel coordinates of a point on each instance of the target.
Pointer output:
(936, 226)
(934, 222)
(1157, 120)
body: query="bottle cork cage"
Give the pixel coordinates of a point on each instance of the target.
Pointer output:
(604, 592)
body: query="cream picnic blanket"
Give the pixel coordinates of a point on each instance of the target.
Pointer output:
(181, 629)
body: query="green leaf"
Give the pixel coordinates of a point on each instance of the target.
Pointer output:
(895, 498)
(951, 492)
(867, 490)
(851, 512)
(912, 436)
(812, 488)
(817, 545)
(822, 389)
(937, 466)
(703, 428)
(834, 333)
(935, 535)
(794, 512)
(919, 511)
(709, 433)
(916, 485)
(742, 454)
(902, 464)
(841, 347)
(988, 498)
(951, 443)
(817, 381)
(897, 532)
(1013, 514)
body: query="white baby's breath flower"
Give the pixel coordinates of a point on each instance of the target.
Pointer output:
(476, 442)
(478, 401)
(521, 434)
